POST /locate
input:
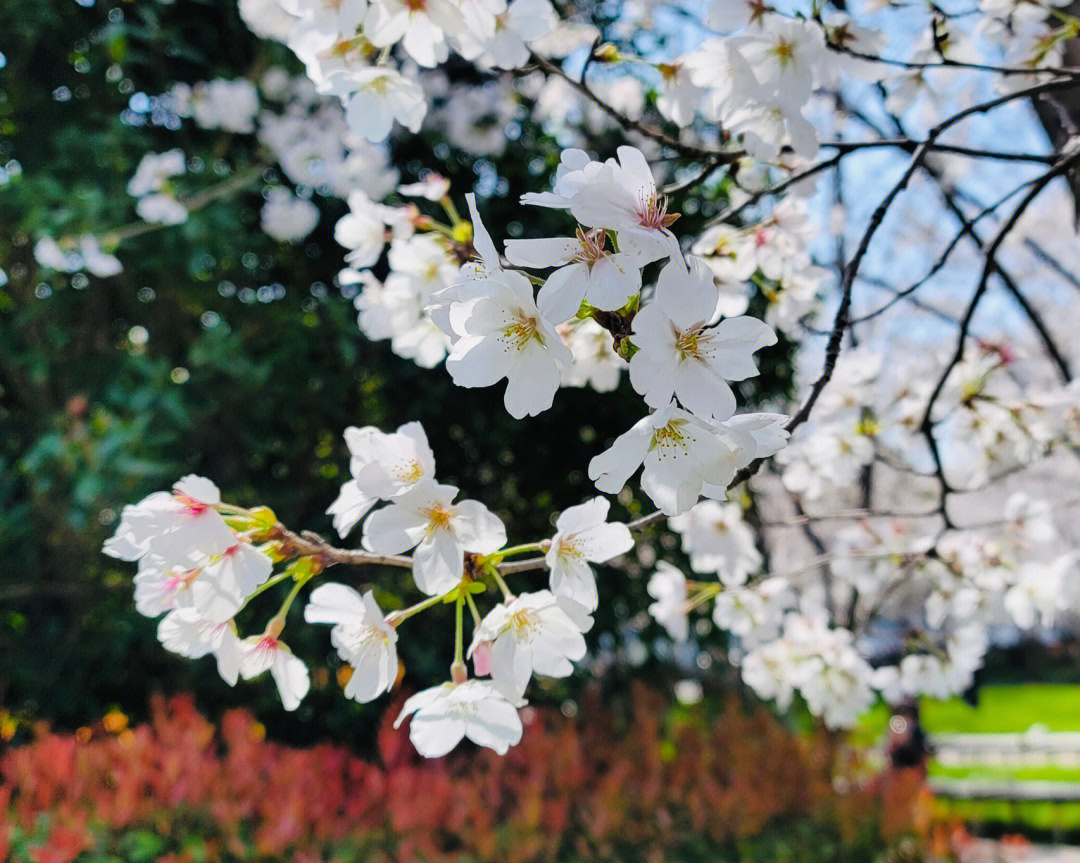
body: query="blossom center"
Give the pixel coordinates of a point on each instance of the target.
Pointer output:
(784, 51)
(524, 621)
(592, 246)
(568, 547)
(439, 516)
(181, 580)
(687, 343)
(652, 210)
(521, 332)
(668, 438)
(410, 472)
(191, 506)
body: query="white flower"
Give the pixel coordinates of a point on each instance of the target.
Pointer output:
(154, 170)
(425, 517)
(420, 27)
(729, 253)
(533, 633)
(225, 583)
(48, 253)
(161, 208)
(587, 271)
(266, 19)
(362, 231)
(680, 99)
(433, 187)
(184, 632)
(507, 48)
(769, 122)
(361, 635)
(502, 334)
(754, 613)
(224, 104)
(668, 587)
(382, 466)
(723, 74)
(173, 526)
(477, 709)
(489, 262)
(379, 95)
(213, 587)
(161, 586)
(679, 356)
(626, 200)
(264, 652)
(766, 430)
(787, 55)
(596, 364)
(575, 171)
(683, 455)
(583, 535)
(97, 262)
(718, 540)
(288, 218)
(335, 19)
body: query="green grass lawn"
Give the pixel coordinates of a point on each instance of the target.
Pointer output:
(1003, 709)
(1025, 773)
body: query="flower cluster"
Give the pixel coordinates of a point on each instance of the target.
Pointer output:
(348, 47)
(681, 359)
(201, 561)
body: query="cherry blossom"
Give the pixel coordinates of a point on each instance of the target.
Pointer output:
(382, 467)
(627, 201)
(173, 525)
(682, 455)
(361, 635)
(583, 535)
(668, 587)
(502, 334)
(535, 633)
(718, 540)
(679, 356)
(425, 518)
(184, 632)
(267, 652)
(443, 715)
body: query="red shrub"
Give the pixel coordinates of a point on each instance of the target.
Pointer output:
(593, 786)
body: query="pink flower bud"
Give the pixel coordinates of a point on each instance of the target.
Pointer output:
(481, 659)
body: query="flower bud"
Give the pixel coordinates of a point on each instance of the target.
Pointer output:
(458, 672)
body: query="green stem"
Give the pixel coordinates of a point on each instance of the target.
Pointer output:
(405, 613)
(266, 585)
(527, 548)
(472, 608)
(704, 593)
(440, 228)
(451, 211)
(507, 595)
(300, 582)
(459, 630)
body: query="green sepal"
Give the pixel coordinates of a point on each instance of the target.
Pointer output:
(303, 568)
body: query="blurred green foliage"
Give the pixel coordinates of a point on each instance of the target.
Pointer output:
(113, 388)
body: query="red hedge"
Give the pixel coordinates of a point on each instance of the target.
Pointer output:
(584, 787)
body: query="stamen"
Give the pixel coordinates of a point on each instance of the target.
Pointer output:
(652, 210)
(520, 333)
(592, 246)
